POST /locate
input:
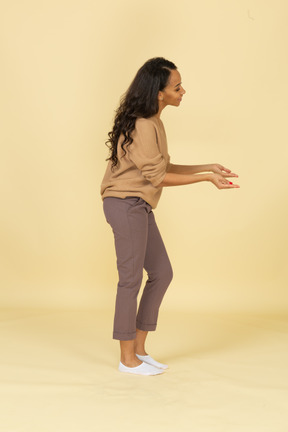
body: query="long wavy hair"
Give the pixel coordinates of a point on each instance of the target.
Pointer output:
(140, 100)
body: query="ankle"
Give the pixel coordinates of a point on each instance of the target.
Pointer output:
(130, 361)
(127, 357)
(140, 351)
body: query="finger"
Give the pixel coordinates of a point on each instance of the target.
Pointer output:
(227, 185)
(230, 175)
(232, 185)
(226, 169)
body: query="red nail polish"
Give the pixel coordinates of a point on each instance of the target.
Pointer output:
(230, 182)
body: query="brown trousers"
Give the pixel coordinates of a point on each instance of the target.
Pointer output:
(138, 245)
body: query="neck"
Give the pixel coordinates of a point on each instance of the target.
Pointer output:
(161, 107)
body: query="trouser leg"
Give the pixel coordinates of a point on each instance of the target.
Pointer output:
(159, 270)
(129, 221)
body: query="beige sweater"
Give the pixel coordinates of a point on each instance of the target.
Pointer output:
(143, 167)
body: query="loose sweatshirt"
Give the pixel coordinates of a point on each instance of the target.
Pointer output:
(144, 165)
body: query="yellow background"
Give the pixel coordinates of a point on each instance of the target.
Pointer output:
(64, 67)
(223, 322)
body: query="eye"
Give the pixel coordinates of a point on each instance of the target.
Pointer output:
(178, 89)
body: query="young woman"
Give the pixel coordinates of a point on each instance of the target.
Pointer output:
(138, 168)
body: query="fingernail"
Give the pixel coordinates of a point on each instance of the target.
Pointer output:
(230, 182)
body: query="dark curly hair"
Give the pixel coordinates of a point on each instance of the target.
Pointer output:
(140, 100)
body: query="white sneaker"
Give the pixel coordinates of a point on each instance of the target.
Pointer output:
(149, 360)
(142, 369)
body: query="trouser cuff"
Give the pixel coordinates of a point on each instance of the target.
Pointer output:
(124, 336)
(145, 327)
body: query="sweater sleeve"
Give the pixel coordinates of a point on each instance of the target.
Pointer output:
(145, 154)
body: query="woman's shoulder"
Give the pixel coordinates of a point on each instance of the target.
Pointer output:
(149, 122)
(151, 128)
(144, 120)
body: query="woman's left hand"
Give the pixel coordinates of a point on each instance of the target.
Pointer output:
(220, 169)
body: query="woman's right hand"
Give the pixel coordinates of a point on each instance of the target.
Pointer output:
(221, 182)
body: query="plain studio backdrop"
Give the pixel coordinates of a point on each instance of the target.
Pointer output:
(64, 66)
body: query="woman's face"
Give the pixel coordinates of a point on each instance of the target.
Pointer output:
(173, 92)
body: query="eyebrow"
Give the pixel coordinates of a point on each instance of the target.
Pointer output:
(178, 84)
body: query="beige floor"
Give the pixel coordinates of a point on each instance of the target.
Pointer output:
(228, 373)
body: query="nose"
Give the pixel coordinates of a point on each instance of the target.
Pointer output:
(183, 91)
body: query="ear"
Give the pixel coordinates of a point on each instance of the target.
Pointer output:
(160, 96)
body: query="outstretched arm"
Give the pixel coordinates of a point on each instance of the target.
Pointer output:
(187, 174)
(195, 169)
